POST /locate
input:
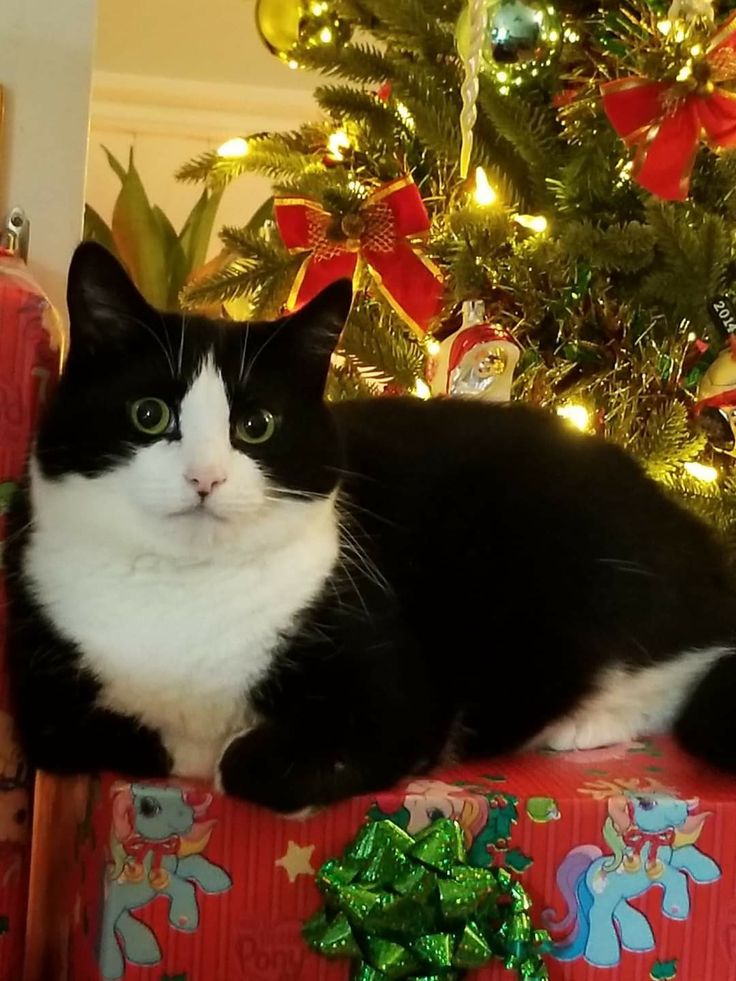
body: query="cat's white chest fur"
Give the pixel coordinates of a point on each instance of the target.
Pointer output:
(177, 641)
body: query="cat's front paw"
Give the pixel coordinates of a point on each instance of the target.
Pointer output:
(267, 766)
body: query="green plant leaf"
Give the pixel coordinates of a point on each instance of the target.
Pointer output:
(140, 239)
(116, 165)
(197, 231)
(96, 229)
(174, 256)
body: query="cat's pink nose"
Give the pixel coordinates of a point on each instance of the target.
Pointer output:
(205, 479)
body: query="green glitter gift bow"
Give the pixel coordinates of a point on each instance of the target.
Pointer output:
(412, 907)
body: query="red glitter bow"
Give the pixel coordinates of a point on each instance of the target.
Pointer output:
(635, 838)
(138, 847)
(378, 235)
(664, 121)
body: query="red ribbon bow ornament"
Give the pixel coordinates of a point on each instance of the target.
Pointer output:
(376, 234)
(665, 121)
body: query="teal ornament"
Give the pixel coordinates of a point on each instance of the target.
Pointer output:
(520, 39)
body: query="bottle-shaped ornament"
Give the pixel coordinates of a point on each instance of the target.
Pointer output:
(477, 361)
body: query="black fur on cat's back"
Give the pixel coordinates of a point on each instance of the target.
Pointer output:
(507, 561)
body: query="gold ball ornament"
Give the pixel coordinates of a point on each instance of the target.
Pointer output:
(286, 26)
(715, 409)
(520, 38)
(353, 225)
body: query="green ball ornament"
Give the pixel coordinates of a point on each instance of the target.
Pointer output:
(288, 26)
(520, 37)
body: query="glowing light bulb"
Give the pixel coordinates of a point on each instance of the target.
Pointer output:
(318, 9)
(696, 50)
(325, 35)
(692, 336)
(664, 27)
(577, 415)
(535, 223)
(433, 346)
(291, 63)
(405, 115)
(336, 143)
(701, 471)
(237, 147)
(422, 389)
(483, 193)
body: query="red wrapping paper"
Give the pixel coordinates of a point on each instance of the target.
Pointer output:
(552, 818)
(29, 362)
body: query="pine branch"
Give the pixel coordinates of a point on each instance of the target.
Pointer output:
(667, 441)
(346, 102)
(530, 129)
(627, 247)
(373, 339)
(275, 155)
(344, 382)
(693, 258)
(404, 23)
(356, 61)
(265, 280)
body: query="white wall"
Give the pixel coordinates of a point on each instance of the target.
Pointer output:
(176, 77)
(45, 62)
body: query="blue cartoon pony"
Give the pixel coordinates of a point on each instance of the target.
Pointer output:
(652, 839)
(157, 837)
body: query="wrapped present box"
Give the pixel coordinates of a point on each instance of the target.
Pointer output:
(30, 341)
(627, 854)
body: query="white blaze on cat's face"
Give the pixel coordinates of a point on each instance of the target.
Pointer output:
(166, 480)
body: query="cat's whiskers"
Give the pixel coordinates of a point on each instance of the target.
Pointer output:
(277, 327)
(244, 342)
(346, 570)
(180, 360)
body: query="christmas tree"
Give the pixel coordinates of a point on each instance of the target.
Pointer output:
(518, 187)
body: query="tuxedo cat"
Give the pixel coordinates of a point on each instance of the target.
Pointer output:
(214, 573)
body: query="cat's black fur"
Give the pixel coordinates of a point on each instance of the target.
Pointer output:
(505, 561)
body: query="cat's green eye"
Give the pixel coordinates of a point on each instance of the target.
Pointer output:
(151, 416)
(257, 426)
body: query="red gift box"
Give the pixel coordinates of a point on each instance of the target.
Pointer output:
(627, 854)
(30, 340)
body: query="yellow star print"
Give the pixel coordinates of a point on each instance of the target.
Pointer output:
(297, 860)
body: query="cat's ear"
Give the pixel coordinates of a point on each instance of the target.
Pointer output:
(312, 333)
(105, 308)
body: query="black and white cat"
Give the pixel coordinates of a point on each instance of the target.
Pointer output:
(215, 573)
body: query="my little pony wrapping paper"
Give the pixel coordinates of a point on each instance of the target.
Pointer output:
(30, 342)
(629, 855)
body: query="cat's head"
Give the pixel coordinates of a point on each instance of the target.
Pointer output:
(184, 431)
